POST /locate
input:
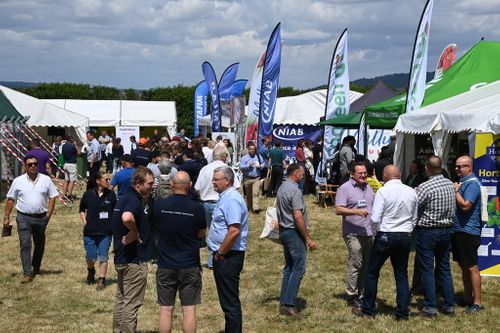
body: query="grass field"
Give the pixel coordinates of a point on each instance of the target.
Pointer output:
(60, 301)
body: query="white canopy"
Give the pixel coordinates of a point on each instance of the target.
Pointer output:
(42, 113)
(304, 109)
(476, 111)
(104, 113)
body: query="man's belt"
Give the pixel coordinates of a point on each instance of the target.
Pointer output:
(247, 177)
(37, 215)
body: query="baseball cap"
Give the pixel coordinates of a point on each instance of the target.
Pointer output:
(143, 141)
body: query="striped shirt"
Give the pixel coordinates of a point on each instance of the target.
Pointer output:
(436, 203)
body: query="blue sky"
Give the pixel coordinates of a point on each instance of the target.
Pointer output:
(149, 43)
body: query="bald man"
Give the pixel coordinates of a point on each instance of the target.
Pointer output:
(395, 215)
(182, 224)
(466, 236)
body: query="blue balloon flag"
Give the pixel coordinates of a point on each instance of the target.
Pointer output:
(209, 74)
(269, 85)
(226, 81)
(238, 88)
(200, 104)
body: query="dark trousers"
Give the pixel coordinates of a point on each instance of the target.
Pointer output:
(227, 279)
(433, 246)
(28, 227)
(94, 169)
(276, 179)
(396, 246)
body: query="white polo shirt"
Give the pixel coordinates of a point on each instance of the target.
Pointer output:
(32, 196)
(395, 207)
(204, 184)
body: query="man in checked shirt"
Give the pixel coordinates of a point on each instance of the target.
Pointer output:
(436, 208)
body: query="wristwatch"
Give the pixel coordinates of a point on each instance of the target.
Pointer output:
(217, 254)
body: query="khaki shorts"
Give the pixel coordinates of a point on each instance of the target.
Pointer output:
(70, 172)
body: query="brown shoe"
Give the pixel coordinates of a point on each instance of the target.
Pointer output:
(357, 311)
(101, 283)
(290, 311)
(26, 279)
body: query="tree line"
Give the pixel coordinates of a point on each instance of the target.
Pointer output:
(182, 95)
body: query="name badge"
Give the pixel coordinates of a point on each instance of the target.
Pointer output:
(103, 215)
(362, 203)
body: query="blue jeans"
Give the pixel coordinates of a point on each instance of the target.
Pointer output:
(227, 272)
(209, 209)
(396, 246)
(295, 251)
(435, 244)
(97, 247)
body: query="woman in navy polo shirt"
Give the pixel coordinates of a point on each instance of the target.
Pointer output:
(96, 211)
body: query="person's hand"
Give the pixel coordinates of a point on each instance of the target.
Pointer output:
(362, 212)
(6, 221)
(456, 186)
(130, 238)
(311, 244)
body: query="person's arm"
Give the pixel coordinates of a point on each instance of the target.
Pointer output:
(48, 168)
(377, 212)
(301, 226)
(133, 234)
(463, 204)
(202, 233)
(51, 205)
(232, 233)
(344, 211)
(8, 209)
(83, 217)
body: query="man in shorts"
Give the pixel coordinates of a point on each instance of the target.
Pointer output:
(70, 169)
(467, 231)
(182, 225)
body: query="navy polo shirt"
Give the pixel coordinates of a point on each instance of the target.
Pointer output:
(99, 212)
(141, 157)
(179, 219)
(135, 252)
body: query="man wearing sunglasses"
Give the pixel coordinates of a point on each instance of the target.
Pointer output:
(34, 196)
(467, 231)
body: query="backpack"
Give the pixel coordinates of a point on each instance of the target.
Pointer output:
(163, 189)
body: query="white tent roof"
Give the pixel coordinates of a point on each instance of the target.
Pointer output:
(475, 110)
(304, 109)
(42, 113)
(103, 113)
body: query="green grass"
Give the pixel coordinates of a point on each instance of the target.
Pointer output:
(60, 301)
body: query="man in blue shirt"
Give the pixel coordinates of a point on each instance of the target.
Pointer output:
(228, 240)
(123, 178)
(133, 248)
(182, 224)
(467, 231)
(251, 165)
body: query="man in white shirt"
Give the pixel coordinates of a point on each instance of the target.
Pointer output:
(34, 196)
(205, 189)
(395, 211)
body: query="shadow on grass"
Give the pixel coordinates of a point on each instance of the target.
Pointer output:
(301, 302)
(51, 272)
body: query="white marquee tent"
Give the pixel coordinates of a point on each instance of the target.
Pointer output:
(473, 111)
(304, 109)
(104, 113)
(42, 113)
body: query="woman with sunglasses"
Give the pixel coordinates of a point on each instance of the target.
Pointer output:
(96, 211)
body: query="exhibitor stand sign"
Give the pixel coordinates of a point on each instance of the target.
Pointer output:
(486, 168)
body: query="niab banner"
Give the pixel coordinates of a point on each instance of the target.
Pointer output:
(269, 84)
(337, 99)
(418, 68)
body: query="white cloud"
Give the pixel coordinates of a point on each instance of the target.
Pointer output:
(147, 43)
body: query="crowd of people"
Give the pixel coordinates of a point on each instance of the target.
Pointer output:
(171, 196)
